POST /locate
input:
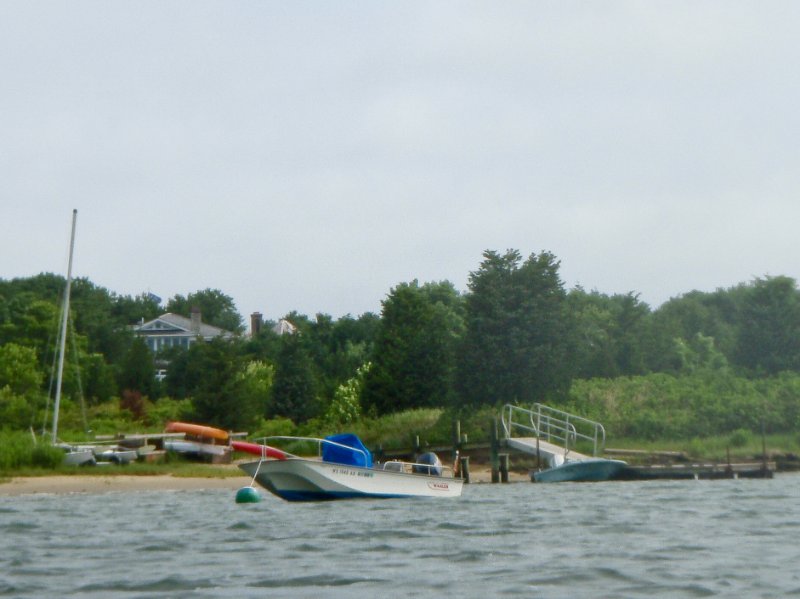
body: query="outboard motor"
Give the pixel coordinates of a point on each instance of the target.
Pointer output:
(432, 464)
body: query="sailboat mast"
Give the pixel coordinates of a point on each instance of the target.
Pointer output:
(63, 338)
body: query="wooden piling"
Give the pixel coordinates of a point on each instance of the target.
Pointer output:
(464, 467)
(456, 439)
(503, 467)
(494, 449)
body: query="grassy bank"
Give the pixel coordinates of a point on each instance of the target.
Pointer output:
(743, 446)
(709, 415)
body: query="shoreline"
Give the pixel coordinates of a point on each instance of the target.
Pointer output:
(60, 484)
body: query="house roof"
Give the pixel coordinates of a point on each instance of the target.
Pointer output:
(284, 327)
(175, 324)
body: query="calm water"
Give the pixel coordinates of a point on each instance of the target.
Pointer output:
(737, 538)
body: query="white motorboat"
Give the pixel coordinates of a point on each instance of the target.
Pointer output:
(345, 471)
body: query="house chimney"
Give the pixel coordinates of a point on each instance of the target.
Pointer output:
(196, 320)
(256, 321)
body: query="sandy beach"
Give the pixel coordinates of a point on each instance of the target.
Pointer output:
(115, 483)
(120, 483)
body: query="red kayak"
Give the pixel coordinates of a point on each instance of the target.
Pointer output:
(260, 450)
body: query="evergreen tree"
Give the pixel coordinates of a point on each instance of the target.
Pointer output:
(138, 370)
(220, 394)
(413, 362)
(294, 390)
(769, 332)
(518, 331)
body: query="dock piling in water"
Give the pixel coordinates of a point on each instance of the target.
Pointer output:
(464, 467)
(503, 467)
(495, 443)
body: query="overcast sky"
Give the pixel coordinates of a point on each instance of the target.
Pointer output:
(310, 156)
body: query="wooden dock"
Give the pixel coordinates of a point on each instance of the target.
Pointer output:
(700, 471)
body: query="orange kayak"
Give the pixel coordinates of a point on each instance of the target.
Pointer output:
(199, 430)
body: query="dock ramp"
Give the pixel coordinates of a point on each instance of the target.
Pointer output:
(552, 435)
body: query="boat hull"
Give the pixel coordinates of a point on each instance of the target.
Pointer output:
(216, 454)
(589, 470)
(298, 479)
(199, 430)
(77, 456)
(115, 456)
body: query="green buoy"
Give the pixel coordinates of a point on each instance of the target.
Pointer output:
(248, 495)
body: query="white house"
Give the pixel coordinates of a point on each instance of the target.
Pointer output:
(171, 330)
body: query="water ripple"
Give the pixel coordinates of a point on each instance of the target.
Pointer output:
(315, 581)
(163, 585)
(631, 540)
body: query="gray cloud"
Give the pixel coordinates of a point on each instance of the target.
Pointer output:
(312, 155)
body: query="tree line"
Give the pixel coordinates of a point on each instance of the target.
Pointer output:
(515, 335)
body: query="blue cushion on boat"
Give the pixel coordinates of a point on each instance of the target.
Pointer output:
(350, 454)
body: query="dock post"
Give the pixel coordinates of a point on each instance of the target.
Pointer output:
(464, 465)
(456, 439)
(494, 449)
(503, 467)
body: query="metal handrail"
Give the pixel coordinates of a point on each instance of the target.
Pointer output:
(316, 440)
(552, 424)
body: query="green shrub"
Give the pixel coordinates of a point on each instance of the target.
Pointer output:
(740, 438)
(695, 448)
(396, 431)
(663, 406)
(47, 456)
(18, 450)
(15, 449)
(275, 427)
(164, 410)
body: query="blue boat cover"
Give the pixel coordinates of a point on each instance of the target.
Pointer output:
(345, 455)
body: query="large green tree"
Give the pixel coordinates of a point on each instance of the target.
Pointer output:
(593, 348)
(216, 308)
(20, 382)
(295, 386)
(339, 347)
(683, 321)
(222, 393)
(30, 322)
(518, 331)
(769, 332)
(414, 360)
(138, 370)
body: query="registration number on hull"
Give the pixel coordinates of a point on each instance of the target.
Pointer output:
(350, 472)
